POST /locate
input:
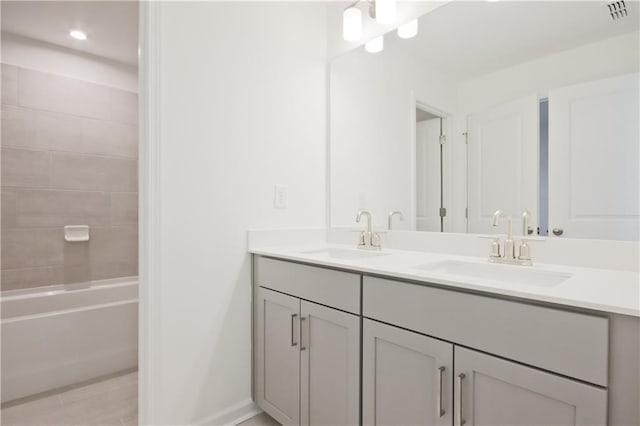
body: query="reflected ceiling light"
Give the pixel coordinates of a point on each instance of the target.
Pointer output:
(408, 30)
(385, 11)
(352, 24)
(375, 45)
(78, 35)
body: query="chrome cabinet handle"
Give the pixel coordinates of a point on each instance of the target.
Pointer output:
(461, 421)
(439, 408)
(557, 231)
(293, 334)
(303, 347)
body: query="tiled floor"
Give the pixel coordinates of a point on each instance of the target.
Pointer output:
(262, 419)
(111, 402)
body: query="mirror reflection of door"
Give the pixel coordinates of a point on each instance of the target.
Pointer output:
(579, 179)
(503, 163)
(521, 103)
(593, 159)
(429, 173)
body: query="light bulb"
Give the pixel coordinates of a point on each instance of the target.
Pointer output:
(374, 46)
(385, 11)
(352, 24)
(408, 30)
(78, 35)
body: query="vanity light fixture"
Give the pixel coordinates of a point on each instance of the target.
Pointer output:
(352, 24)
(78, 35)
(375, 45)
(383, 11)
(408, 30)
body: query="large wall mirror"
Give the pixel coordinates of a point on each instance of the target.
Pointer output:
(519, 106)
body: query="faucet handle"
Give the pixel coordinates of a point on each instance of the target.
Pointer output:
(375, 240)
(526, 220)
(524, 253)
(362, 239)
(494, 248)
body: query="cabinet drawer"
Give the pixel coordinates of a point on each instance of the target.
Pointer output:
(568, 343)
(340, 290)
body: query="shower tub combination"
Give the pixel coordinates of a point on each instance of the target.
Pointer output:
(63, 335)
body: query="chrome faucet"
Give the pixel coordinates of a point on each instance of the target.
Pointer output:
(390, 218)
(508, 253)
(368, 240)
(523, 252)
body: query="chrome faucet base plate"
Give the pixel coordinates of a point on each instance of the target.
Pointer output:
(507, 261)
(369, 247)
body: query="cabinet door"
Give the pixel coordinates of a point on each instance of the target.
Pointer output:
(330, 366)
(278, 356)
(493, 391)
(407, 377)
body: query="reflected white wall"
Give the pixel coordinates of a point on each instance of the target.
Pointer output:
(372, 152)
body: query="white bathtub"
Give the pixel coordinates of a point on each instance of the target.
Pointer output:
(61, 335)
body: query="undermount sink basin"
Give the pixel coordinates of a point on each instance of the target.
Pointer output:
(345, 254)
(507, 274)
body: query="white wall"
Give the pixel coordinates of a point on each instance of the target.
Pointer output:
(372, 145)
(242, 106)
(37, 55)
(595, 61)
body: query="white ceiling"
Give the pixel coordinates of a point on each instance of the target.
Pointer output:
(111, 26)
(468, 39)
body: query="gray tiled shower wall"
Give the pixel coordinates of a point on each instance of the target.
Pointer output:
(69, 157)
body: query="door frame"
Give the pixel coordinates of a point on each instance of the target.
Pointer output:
(149, 204)
(447, 131)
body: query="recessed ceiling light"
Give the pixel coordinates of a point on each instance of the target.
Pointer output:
(78, 35)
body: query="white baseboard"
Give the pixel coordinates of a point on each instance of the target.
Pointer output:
(231, 416)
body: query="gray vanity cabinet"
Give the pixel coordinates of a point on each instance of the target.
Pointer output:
(330, 366)
(407, 378)
(307, 361)
(490, 361)
(493, 391)
(278, 356)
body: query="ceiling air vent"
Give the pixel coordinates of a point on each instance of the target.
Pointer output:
(617, 9)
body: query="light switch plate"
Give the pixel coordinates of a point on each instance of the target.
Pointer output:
(280, 197)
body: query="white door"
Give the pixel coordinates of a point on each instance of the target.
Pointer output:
(278, 363)
(406, 378)
(593, 159)
(330, 366)
(503, 163)
(428, 175)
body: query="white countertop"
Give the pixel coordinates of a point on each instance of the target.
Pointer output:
(606, 290)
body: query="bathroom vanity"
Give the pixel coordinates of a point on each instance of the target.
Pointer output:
(337, 340)
(442, 326)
